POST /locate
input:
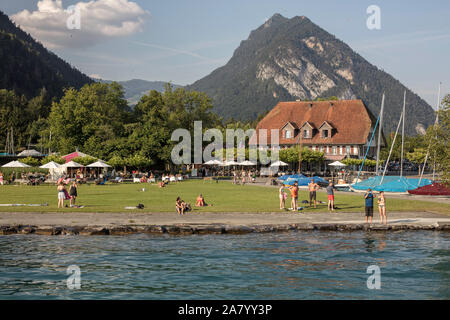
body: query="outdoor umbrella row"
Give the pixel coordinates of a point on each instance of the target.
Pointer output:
(54, 165)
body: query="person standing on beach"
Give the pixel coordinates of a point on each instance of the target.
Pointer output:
(313, 187)
(282, 197)
(368, 196)
(330, 193)
(382, 208)
(61, 195)
(73, 193)
(294, 196)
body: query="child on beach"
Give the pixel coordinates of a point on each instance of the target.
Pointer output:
(382, 208)
(282, 196)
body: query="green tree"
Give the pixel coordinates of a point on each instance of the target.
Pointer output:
(53, 158)
(439, 137)
(88, 119)
(84, 160)
(33, 162)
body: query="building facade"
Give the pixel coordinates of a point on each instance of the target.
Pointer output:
(338, 128)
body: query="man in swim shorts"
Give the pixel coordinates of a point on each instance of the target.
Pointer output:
(313, 187)
(330, 193)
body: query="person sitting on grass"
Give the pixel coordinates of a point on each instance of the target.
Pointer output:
(179, 206)
(201, 202)
(186, 206)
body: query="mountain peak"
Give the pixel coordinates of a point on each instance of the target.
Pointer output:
(288, 59)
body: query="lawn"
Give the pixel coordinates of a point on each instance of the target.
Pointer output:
(224, 196)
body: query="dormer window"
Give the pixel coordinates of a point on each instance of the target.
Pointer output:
(306, 133)
(325, 130)
(288, 130)
(288, 134)
(307, 130)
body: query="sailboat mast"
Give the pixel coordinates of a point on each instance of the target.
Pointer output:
(437, 120)
(429, 144)
(379, 134)
(403, 134)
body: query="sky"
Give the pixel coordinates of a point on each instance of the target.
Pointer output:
(184, 40)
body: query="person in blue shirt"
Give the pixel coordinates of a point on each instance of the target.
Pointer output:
(369, 205)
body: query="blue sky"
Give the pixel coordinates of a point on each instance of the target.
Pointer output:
(184, 40)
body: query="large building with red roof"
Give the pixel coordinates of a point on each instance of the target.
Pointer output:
(340, 128)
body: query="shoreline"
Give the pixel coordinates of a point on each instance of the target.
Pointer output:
(71, 223)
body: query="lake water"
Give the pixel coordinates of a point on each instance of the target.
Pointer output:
(297, 265)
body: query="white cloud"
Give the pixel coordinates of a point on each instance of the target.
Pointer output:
(95, 76)
(99, 21)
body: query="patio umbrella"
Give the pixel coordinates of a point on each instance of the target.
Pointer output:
(230, 163)
(51, 165)
(15, 164)
(247, 163)
(30, 153)
(99, 164)
(279, 164)
(213, 162)
(337, 164)
(72, 164)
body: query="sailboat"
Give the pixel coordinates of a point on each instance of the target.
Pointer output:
(395, 184)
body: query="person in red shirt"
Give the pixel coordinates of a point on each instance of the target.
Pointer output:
(294, 196)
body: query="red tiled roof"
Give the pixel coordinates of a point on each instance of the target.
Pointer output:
(73, 155)
(349, 118)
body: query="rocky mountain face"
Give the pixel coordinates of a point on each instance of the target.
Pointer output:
(290, 59)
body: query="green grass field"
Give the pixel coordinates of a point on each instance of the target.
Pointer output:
(224, 196)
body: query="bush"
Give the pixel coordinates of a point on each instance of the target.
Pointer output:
(33, 162)
(53, 158)
(84, 160)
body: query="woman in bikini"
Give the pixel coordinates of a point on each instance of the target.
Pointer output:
(61, 195)
(382, 208)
